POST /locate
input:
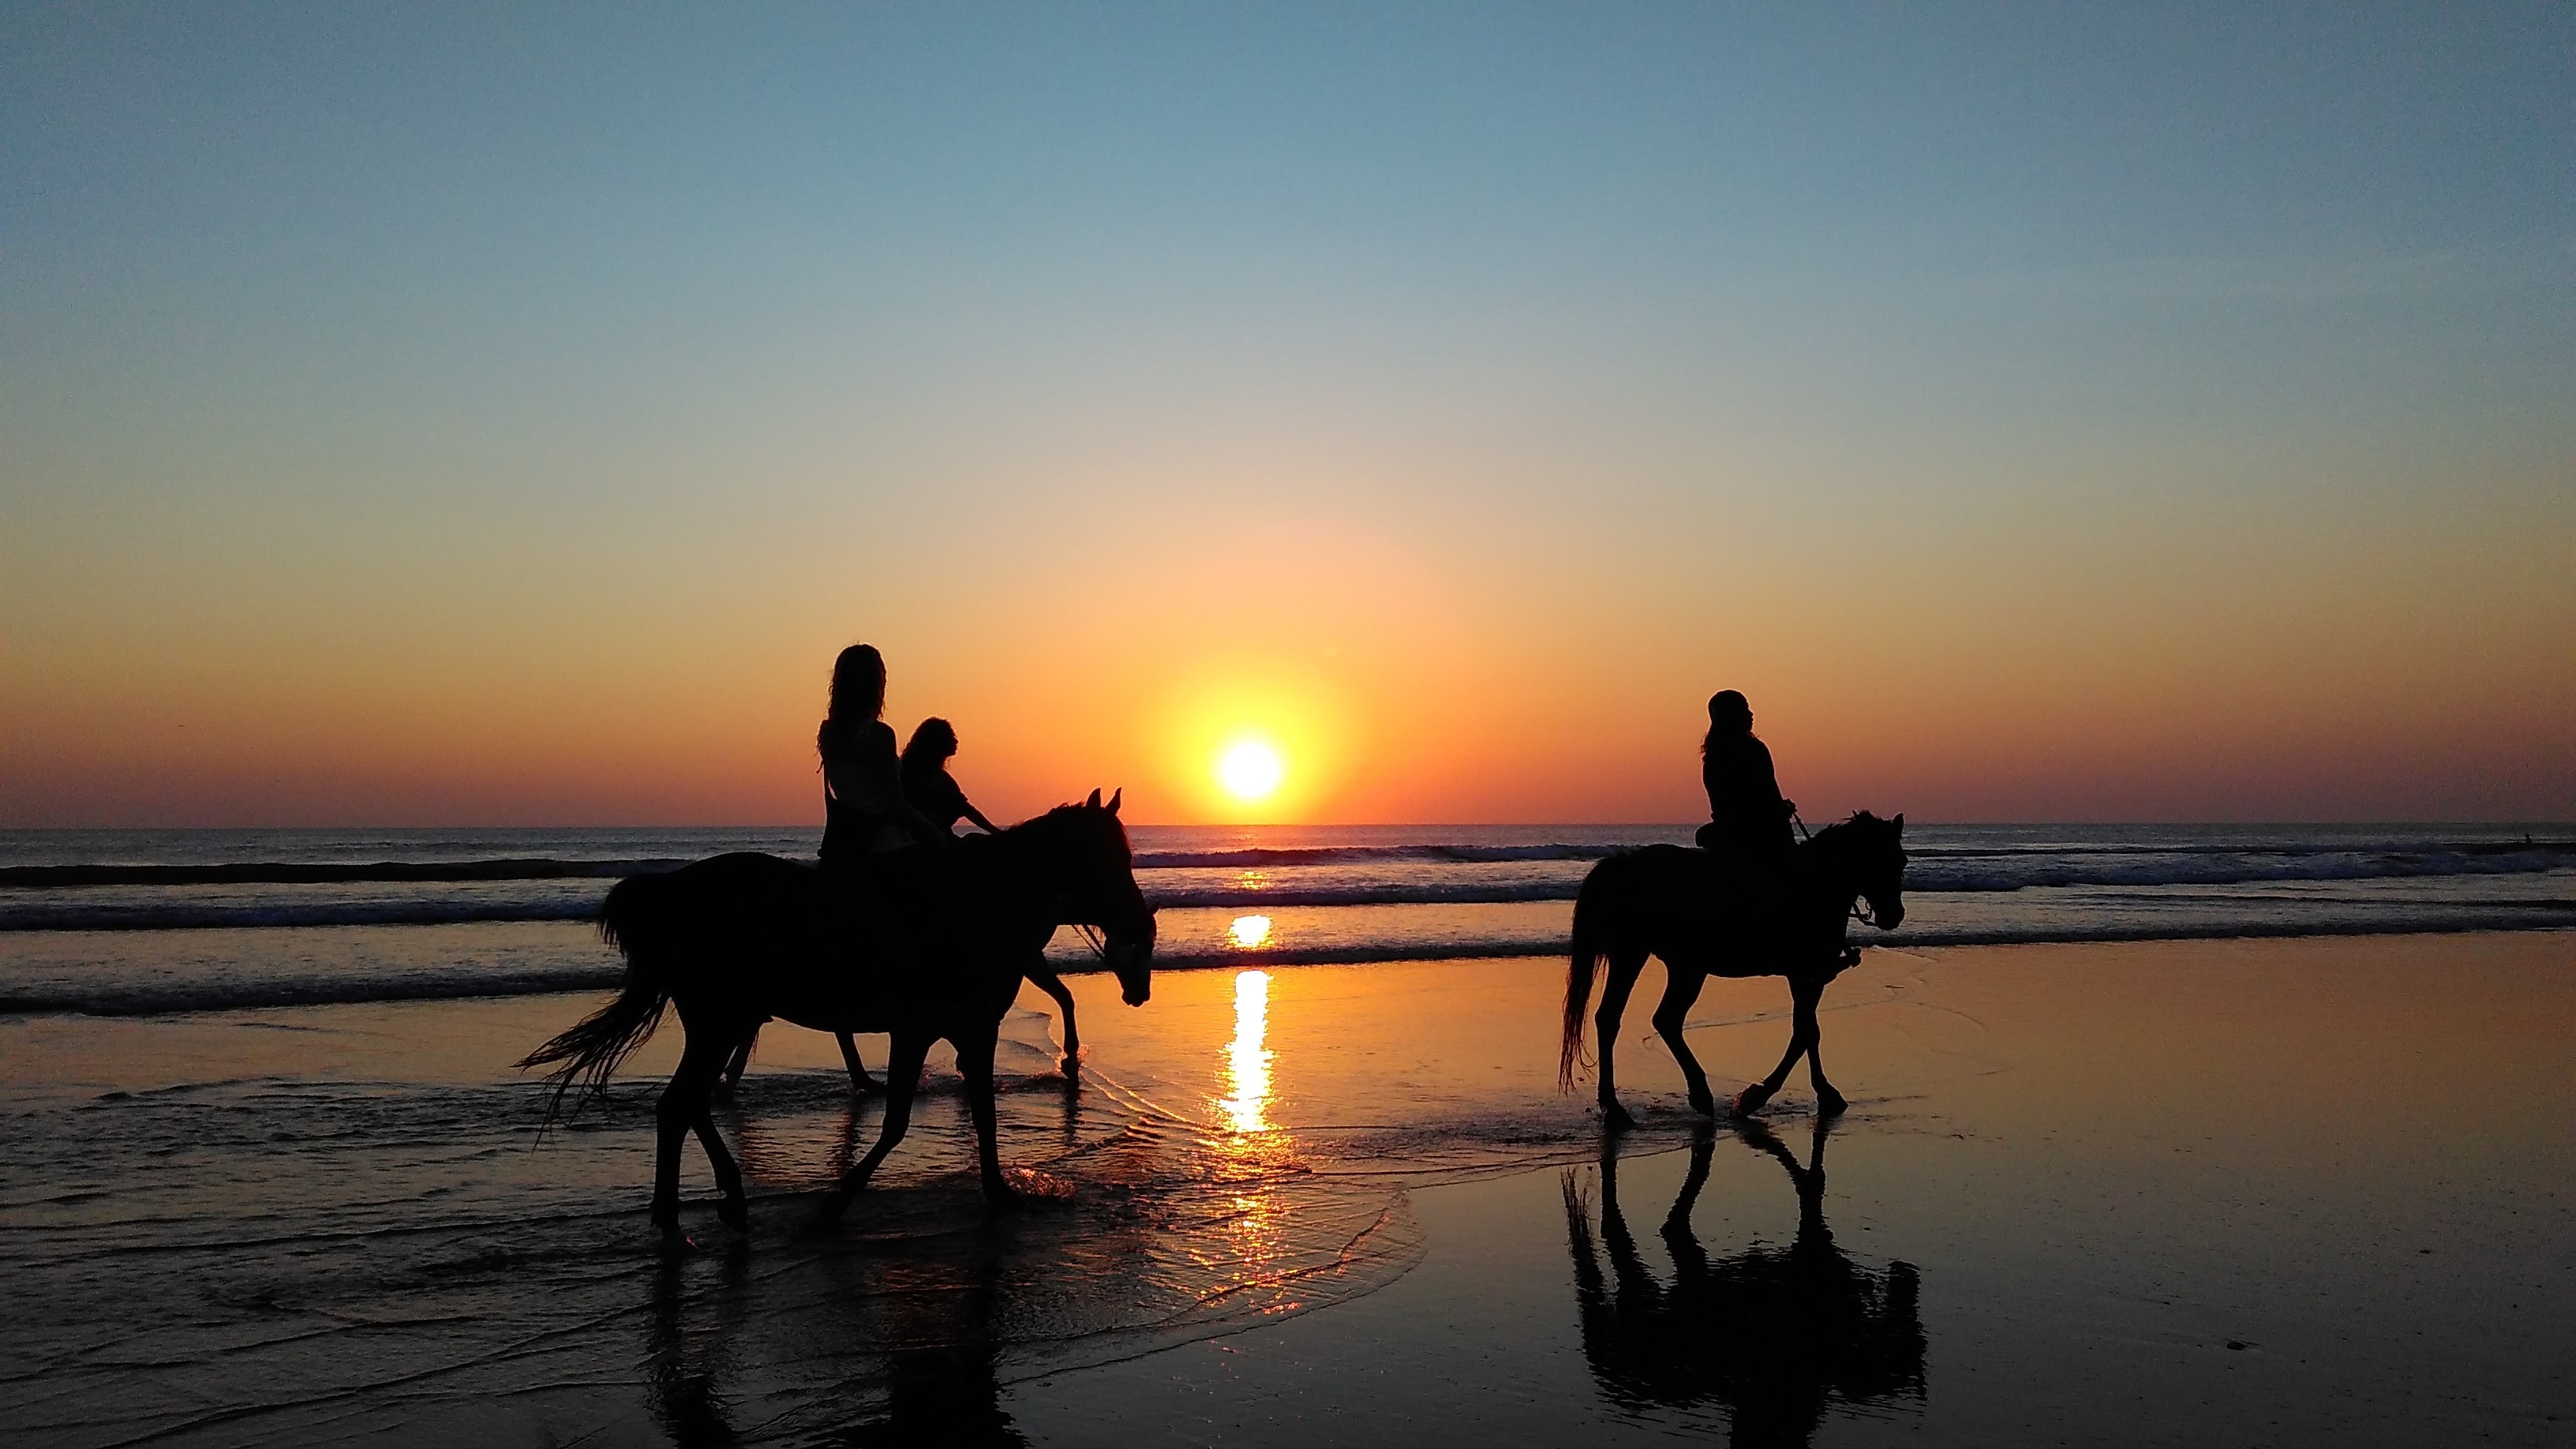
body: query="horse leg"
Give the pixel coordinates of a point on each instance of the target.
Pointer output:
(903, 1078)
(735, 1210)
(860, 1081)
(1624, 966)
(1802, 1040)
(1681, 988)
(1053, 985)
(1828, 1101)
(683, 1103)
(737, 1064)
(975, 1064)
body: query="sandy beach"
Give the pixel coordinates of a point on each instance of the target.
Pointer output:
(2238, 1193)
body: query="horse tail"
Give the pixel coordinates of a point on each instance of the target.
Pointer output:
(1590, 946)
(635, 919)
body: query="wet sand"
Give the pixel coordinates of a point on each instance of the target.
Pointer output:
(2232, 1193)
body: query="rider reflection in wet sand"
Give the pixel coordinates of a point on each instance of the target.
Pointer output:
(1775, 1336)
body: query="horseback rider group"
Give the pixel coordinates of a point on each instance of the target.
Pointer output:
(889, 817)
(881, 808)
(886, 819)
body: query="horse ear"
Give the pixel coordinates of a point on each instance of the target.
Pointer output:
(1095, 799)
(1115, 796)
(1900, 822)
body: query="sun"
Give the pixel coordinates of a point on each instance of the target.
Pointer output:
(1250, 770)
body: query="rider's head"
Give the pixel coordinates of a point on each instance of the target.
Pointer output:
(1729, 714)
(932, 743)
(858, 684)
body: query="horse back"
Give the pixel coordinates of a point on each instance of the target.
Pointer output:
(742, 898)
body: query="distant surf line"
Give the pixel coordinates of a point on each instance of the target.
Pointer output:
(109, 999)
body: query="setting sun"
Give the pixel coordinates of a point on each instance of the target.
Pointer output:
(1250, 770)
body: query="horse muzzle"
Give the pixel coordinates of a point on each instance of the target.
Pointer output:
(1887, 917)
(1131, 959)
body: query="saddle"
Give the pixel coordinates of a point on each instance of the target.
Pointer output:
(1760, 886)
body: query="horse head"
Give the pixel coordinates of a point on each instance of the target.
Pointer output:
(1877, 862)
(1098, 876)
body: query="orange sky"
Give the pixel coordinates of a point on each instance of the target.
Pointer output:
(2079, 421)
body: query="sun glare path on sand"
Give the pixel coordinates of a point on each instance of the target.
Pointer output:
(1250, 770)
(1247, 1059)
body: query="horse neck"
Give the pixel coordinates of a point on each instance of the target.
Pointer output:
(1829, 864)
(1040, 851)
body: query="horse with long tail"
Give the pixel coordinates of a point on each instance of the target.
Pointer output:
(1669, 901)
(736, 940)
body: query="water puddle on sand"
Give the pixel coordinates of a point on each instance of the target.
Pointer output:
(277, 1259)
(282, 1261)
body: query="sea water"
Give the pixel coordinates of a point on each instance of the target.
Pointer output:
(267, 1176)
(152, 921)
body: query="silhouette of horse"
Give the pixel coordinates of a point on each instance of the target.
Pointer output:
(1669, 901)
(1773, 1334)
(738, 939)
(1036, 972)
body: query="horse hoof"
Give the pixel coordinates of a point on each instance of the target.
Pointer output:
(828, 1213)
(1001, 1197)
(1616, 1118)
(1751, 1099)
(865, 1086)
(1830, 1103)
(734, 1213)
(1702, 1103)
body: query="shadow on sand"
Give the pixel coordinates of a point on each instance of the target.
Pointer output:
(1772, 1334)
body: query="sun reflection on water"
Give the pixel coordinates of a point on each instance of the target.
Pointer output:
(1249, 933)
(1247, 1061)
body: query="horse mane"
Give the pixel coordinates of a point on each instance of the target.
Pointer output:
(1054, 824)
(1856, 821)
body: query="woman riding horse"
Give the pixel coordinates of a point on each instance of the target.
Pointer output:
(736, 940)
(868, 823)
(1668, 901)
(1748, 817)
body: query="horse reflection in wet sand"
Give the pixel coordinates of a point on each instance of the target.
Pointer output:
(1672, 902)
(737, 940)
(1773, 1334)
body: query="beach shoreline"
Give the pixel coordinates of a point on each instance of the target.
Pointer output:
(2102, 1165)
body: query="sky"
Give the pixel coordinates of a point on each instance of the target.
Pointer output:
(485, 415)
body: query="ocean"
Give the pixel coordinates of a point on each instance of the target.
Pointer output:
(270, 1178)
(144, 922)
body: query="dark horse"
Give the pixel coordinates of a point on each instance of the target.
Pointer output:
(1773, 1334)
(739, 939)
(1035, 971)
(1667, 901)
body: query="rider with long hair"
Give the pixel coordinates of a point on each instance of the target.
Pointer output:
(865, 813)
(1748, 823)
(928, 785)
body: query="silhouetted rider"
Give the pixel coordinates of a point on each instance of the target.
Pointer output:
(1748, 824)
(929, 786)
(865, 813)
